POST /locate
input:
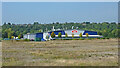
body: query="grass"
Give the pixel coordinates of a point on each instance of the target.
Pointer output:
(61, 52)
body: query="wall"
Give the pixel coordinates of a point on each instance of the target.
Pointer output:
(90, 32)
(69, 32)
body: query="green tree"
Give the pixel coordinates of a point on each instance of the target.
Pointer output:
(105, 34)
(52, 34)
(105, 29)
(80, 35)
(59, 34)
(4, 35)
(9, 32)
(66, 35)
(12, 37)
(19, 36)
(99, 33)
(36, 23)
(47, 37)
(40, 30)
(72, 35)
(87, 35)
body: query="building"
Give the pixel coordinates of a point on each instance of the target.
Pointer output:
(29, 36)
(43, 36)
(92, 34)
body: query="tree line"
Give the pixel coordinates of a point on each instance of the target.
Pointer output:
(105, 29)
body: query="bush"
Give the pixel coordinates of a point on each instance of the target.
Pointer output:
(52, 34)
(67, 39)
(90, 38)
(72, 35)
(81, 39)
(26, 40)
(59, 34)
(107, 38)
(87, 35)
(102, 38)
(66, 35)
(75, 39)
(98, 38)
(1, 39)
(80, 35)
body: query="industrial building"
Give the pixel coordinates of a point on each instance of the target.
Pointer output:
(29, 36)
(43, 36)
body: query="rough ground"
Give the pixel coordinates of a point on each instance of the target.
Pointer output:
(61, 52)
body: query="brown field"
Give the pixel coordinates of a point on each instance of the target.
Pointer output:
(61, 52)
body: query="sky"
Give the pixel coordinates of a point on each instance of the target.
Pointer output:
(49, 12)
(60, 0)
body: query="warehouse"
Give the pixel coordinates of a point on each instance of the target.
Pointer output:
(29, 36)
(92, 34)
(43, 36)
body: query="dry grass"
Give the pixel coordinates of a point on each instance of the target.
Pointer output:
(61, 52)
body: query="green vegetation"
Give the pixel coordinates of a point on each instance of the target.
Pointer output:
(108, 30)
(86, 34)
(12, 37)
(47, 37)
(52, 34)
(59, 34)
(61, 52)
(72, 35)
(80, 35)
(26, 40)
(66, 35)
(19, 36)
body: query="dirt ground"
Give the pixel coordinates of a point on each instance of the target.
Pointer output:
(97, 52)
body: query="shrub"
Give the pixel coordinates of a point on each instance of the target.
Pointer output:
(90, 38)
(1, 39)
(74, 39)
(80, 34)
(66, 35)
(98, 38)
(52, 34)
(103, 38)
(19, 36)
(81, 39)
(26, 40)
(107, 38)
(72, 35)
(12, 37)
(59, 34)
(86, 34)
(47, 37)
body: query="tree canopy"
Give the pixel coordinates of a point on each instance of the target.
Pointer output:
(105, 29)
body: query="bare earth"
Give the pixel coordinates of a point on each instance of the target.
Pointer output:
(61, 52)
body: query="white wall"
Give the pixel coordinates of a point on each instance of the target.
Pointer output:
(29, 36)
(69, 32)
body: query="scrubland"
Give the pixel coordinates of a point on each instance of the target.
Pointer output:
(96, 52)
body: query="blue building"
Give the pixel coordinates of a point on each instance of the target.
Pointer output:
(47, 35)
